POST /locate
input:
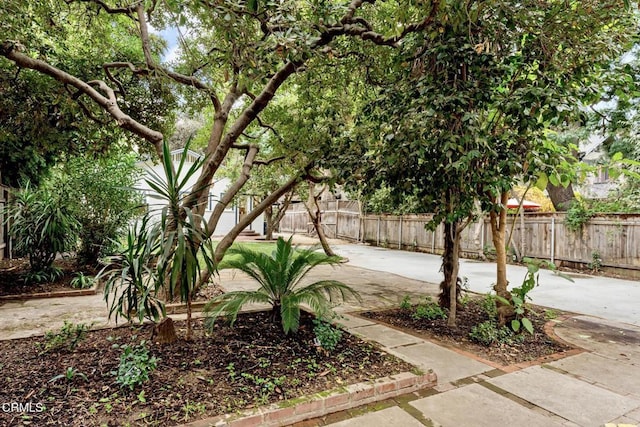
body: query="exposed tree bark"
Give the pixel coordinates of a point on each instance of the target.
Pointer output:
(448, 267)
(498, 236)
(315, 213)
(273, 217)
(455, 285)
(165, 331)
(561, 197)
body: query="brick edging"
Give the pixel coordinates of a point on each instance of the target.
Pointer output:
(324, 403)
(53, 294)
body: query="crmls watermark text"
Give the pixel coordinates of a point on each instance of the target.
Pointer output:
(28, 407)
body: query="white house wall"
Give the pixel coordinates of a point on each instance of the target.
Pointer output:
(229, 217)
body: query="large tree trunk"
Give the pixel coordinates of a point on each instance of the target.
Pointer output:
(448, 268)
(269, 219)
(313, 208)
(561, 197)
(498, 236)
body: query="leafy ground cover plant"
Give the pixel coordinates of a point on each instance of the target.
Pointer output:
(488, 333)
(82, 281)
(136, 364)
(327, 335)
(429, 310)
(69, 336)
(279, 276)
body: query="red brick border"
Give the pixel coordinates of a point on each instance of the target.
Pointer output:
(325, 403)
(54, 294)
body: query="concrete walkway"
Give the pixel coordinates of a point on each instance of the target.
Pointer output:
(598, 387)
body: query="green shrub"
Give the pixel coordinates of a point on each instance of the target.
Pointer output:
(69, 336)
(135, 365)
(577, 216)
(45, 275)
(80, 281)
(327, 335)
(429, 311)
(405, 304)
(488, 305)
(488, 333)
(99, 193)
(41, 226)
(279, 276)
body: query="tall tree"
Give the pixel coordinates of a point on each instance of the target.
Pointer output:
(233, 56)
(466, 110)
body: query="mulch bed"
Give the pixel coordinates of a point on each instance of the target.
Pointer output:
(530, 348)
(218, 372)
(12, 273)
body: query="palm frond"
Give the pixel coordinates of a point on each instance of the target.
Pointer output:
(230, 304)
(290, 313)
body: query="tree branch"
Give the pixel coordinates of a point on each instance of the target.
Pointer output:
(268, 162)
(125, 10)
(11, 51)
(179, 78)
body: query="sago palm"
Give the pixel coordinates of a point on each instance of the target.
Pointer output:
(279, 276)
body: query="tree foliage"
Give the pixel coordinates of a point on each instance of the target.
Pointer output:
(466, 110)
(99, 192)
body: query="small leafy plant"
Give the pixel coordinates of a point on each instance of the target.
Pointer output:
(45, 275)
(429, 311)
(81, 281)
(69, 336)
(596, 262)
(520, 295)
(405, 304)
(69, 375)
(488, 333)
(327, 335)
(135, 365)
(489, 306)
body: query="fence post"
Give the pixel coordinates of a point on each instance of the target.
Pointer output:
(400, 239)
(433, 242)
(553, 239)
(378, 234)
(337, 214)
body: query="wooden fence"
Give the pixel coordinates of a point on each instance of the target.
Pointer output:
(613, 239)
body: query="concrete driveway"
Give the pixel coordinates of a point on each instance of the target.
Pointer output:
(605, 297)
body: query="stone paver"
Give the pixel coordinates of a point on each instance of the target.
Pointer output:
(570, 398)
(478, 406)
(449, 365)
(610, 339)
(349, 321)
(603, 371)
(390, 417)
(388, 337)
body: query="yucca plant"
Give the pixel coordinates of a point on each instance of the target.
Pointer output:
(279, 276)
(41, 227)
(165, 256)
(186, 250)
(130, 278)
